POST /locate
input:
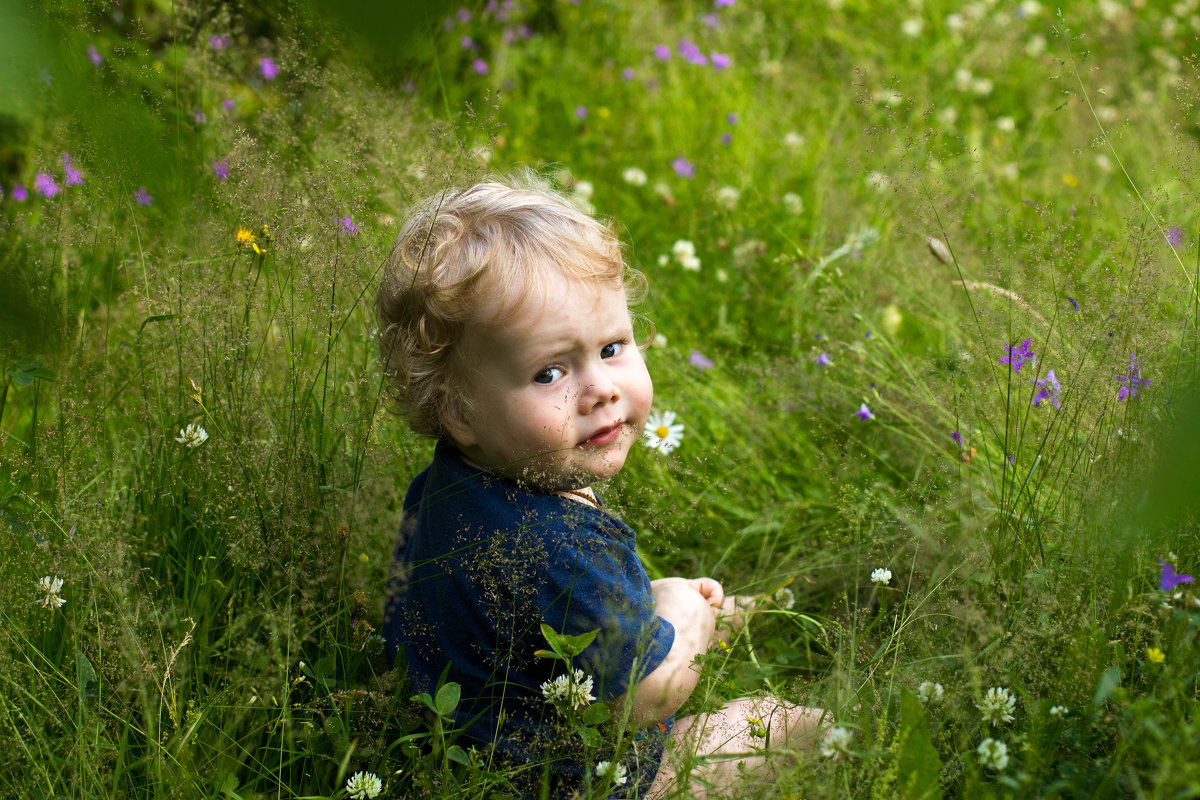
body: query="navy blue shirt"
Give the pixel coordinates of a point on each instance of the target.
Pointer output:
(480, 564)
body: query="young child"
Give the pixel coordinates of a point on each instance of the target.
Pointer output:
(506, 335)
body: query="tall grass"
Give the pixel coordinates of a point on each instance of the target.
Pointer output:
(218, 636)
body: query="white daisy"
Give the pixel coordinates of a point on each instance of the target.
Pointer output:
(364, 785)
(634, 176)
(785, 598)
(192, 436)
(997, 705)
(992, 754)
(51, 587)
(881, 575)
(614, 772)
(835, 743)
(930, 692)
(661, 433)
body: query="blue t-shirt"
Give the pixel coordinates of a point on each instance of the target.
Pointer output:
(480, 564)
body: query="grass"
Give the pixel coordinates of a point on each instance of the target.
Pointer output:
(221, 600)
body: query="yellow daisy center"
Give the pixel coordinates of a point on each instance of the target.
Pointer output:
(661, 431)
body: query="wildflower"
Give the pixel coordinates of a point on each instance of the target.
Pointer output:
(246, 237)
(997, 706)
(683, 168)
(662, 52)
(228, 104)
(992, 754)
(793, 141)
(220, 169)
(192, 436)
(930, 692)
(685, 253)
(1048, 389)
(364, 785)
(199, 117)
(723, 3)
(660, 340)
(699, 360)
(634, 176)
(142, 197)
(614, 772)
(581, 112)
(1174, 236)
(346, 227)
(1058, 712)
(912, 27)
(480, 66)
(1133, 381)
(792, 203)
(881, 575)
(822, 359)
(731, 118)
(691, 53)
(628, 73)
(1018, 355)
(720, 61)
(1074, 304)
(574, 690)
(267, 67)
(835, 743)
(20, 193)
(584, 190)
(45, 185)
(864, 413)
(661, 433)
(1170, 578)
(51, 587)
(94, 56)
(72, 176)
(956, 437)
(1156, 655)
(726, 138)
(785, 598)
(216, 42)
(467, 43)
(727, 197)
(464, 15)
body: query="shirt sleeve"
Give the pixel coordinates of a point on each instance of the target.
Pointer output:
(596, 582)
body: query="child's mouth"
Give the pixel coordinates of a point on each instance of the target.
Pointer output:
(603, 437)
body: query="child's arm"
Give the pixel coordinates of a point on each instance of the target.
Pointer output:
(663, 691)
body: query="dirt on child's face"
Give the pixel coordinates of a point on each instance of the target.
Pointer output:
(559, 389)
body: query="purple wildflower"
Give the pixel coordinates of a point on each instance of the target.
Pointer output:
(268, 69)
(689, 50)
(724, 3)
(45, 185)
(464, 15)
(1170, 578)
(720, 61)
(20, 193)
(868, 335)
(699, 360)
(628, 73)
(662, 52)
(957, 439)
(199, 117)
(864, 413)
(346, 227)
(142, 197)
(73, 178)
(732, 118)
(821, 359)
(1133, 380)
(217, 42)
(467, 43)
(727, 138)
(228, 104)
(480, 66)
(1018, 355)
(1174, 236)
(1048, 389)
(220, 169)
(1074, 303)
(684, 168)
(711, 20)
(581, 112)
(94, 56)
(1011, 458)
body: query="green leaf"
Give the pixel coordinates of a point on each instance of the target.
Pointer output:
(30, 369)
(919, 764)
(568, 646)
(85, 677)
(596, 714)
(1110, 681)
(590, 737)
(456, 753)
(447, 699)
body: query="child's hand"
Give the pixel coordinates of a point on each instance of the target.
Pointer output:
(710, 590)
(731, 616)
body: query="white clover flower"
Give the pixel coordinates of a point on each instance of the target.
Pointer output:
(634, 176)
(614, 772)
(881, 575)
(930, 693)
(793, 141)
(660, 340)
(574, 690)
(955, 23)
(981, 87)
(785, 598)
(835, 743)
(992, 754)
(1035, 46)
(661, 433)
(364, 785)
(1006, 124)
(682, 249)
(691, 263)
(584, 189)
(192, 436)
(948, 116)
(792, 203)
(962, 79)
(1029, 8)
(51, 587)
(997, 705)
(664, 259)
(728, 197)
(912, 27)
(1058, 712)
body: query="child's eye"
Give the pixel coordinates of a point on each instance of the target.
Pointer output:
(610, 350)
(548, 375)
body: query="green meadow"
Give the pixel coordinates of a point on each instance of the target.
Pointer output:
(923, 292)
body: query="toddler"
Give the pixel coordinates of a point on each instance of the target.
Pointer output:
(506, 336)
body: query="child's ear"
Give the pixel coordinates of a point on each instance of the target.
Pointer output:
(454, 420)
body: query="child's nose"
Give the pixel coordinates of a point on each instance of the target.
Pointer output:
(599, 389)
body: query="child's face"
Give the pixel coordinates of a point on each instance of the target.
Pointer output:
(559, 389)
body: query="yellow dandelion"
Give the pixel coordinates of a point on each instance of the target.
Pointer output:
(1070, 180)
(245, 236)
(1156, 655)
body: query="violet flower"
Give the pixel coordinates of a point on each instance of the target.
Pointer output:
(1018, 355)
(1170, 578)
(1133, 380)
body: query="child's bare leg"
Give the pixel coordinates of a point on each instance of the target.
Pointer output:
(739, 733)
